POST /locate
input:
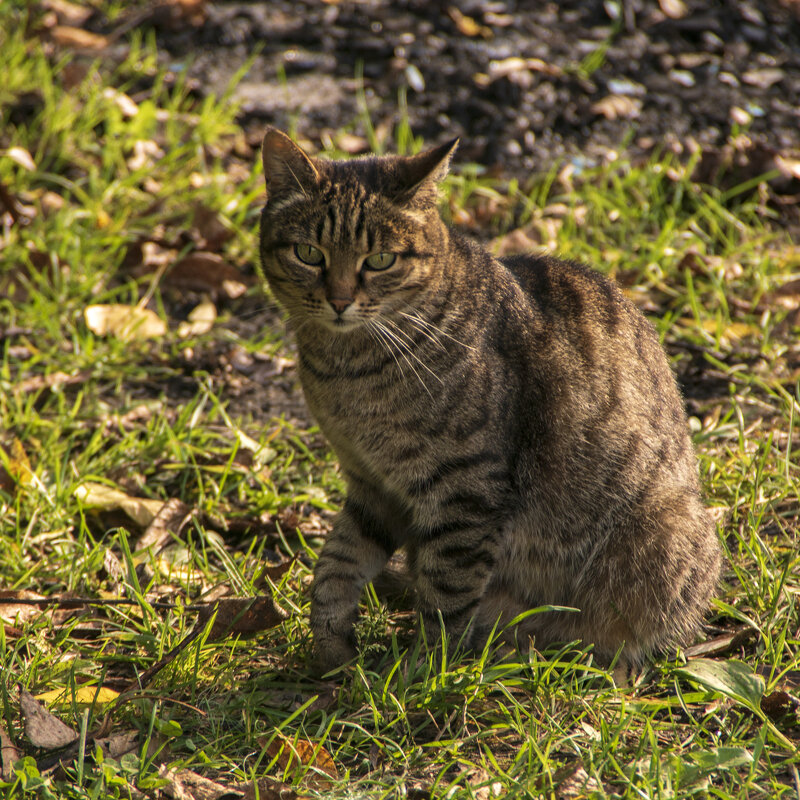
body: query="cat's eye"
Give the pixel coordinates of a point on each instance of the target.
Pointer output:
(379, 261)
(309, 255)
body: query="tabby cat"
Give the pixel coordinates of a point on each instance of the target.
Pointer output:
(512, 423)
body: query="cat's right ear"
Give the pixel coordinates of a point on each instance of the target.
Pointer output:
(287, 169)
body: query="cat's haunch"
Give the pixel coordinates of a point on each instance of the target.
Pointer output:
(512, 423)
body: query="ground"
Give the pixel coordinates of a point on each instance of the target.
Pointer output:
(163, 491)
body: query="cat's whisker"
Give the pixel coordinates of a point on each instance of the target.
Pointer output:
(407, 348)
(405, 352)
(433, 328)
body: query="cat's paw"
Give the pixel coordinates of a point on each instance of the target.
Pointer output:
(328, 654)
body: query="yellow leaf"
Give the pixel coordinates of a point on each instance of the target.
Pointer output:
(83, 696)
(125, 322)
(15, 468)
(304, 753)
(97, 495)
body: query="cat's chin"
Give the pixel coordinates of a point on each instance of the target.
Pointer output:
(340, 325)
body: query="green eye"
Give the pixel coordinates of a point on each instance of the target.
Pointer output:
(309, 255)
(379, 261)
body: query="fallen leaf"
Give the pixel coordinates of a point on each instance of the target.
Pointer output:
(8, 755)
(576, 783)
(105, 498)
(789, 167)
(352, 144)
(516, 241)
(206, 272)
(721, 644)
(128, 323)
(120, 743)
(618, 106)
(467, 25)
(320, 768)
(82, 696)
(183, 784)
(778, 704)
(240, 615)
(168, 521)
(11, 612)
(15, 468)
(209, 230)
(482, 785)
(41, 728)
(67, 12)
(22, 157)
(674, 9)
(763, 78)
(200, 320)
(53, 380)
(78, 38)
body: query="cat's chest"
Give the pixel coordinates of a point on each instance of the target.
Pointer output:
(371, 424)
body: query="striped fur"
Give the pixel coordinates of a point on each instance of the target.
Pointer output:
(512, 424)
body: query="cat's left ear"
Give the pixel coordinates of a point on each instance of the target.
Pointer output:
(417, 176)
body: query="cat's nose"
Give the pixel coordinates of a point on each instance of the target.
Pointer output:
(339, 304)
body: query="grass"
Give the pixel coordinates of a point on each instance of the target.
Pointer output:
(178, 416)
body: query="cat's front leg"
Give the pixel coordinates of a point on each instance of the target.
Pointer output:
(452, 570)
(355, 553)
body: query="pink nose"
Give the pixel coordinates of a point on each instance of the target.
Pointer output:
(339, 304)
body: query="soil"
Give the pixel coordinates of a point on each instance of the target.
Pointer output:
(524, 84)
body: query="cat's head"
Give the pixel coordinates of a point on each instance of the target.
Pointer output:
(343, 242)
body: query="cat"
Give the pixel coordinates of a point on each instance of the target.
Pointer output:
(513, 424)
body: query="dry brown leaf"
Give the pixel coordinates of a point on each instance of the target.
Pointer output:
(206, 272)
(240, 615)
(129, 323)
(516, 241)
(120, 743)
(22, 157)
(11, 612)
(778, 704)
(302, 752)
(15, 468)
(618, 106)
(577, 784)
(183, 784)
(54, 381)
(78, 38)
(200, 320)
(209, 230)
(168, 521)
(352, 144)
(763, 78)
(467, 25)
(482, 785)
(105, 498)
(69, 13)
(41, 728)
(8, 754)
